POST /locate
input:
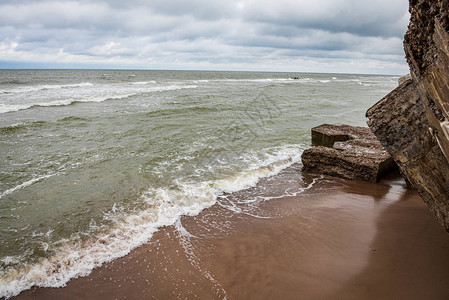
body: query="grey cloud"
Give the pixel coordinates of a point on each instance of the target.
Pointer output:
(365, 18)
(203, 32)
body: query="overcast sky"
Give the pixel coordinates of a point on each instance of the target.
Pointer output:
(349, 36)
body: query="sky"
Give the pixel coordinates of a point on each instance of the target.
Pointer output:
(329, 36)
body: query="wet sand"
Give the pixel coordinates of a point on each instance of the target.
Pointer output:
(337, 239)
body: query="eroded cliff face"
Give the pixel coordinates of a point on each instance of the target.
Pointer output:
(412, 122)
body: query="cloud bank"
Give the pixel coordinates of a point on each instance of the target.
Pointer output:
(283, 35)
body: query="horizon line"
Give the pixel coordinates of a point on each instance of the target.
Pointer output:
(190, 70)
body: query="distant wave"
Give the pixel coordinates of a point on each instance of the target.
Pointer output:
(364, 83)
(23, 185)
(143, 82)
(259, 80)
(14, 128)
(73, 119)
(19, 126)
(280, 80)
(36, 88)
(181, 110)
(12, 81)
(13, 108)
(4, 108)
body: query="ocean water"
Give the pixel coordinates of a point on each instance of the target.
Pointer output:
(93, 162)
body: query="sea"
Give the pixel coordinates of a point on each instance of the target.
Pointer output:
(94, 162)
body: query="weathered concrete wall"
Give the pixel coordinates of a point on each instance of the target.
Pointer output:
(412, 122)
(349, 152)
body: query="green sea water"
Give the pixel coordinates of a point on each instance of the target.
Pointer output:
(92, 162)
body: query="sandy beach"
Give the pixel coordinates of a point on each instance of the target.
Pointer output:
(328, 239)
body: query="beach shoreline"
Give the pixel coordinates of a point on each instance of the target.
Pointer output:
(293, 236)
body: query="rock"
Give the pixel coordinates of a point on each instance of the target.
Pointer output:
(326, 134)
(348, 152)
(399, 121)
(404, 78)
(412, 122)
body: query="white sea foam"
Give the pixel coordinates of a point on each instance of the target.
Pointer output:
(290, 193)
(24, 185)
(143, 82)
(270, 166)
(4, 108)
(185, 241)
(260, 80)
(164, 207)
